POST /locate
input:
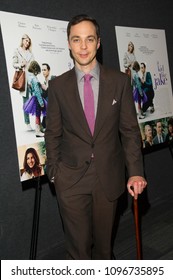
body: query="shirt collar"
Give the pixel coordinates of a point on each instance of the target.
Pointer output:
(94, 72)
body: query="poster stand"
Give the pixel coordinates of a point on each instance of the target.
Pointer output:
(36, 215)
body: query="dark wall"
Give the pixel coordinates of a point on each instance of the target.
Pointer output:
(17, 203)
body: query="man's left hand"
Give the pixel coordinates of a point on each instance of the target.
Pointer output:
(136, 185)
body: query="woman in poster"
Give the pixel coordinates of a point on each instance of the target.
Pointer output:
(129, 58)
(148, 142)
(21, 59)
(31, 165)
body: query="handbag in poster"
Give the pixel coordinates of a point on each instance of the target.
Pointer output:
(19, 80)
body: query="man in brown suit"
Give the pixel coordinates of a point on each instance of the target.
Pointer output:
(88, 169)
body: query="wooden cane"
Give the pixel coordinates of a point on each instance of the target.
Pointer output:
(137, 230)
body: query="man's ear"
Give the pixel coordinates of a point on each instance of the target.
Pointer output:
(98, 43)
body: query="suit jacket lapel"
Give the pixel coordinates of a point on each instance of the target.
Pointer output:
(104, 102)
(75, 103)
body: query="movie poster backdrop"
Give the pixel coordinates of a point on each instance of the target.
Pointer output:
(143, 56)
(47, 48)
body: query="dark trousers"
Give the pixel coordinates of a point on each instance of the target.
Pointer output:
(149, 103)
(88, 218)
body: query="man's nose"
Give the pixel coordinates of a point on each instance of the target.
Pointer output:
(83, 44)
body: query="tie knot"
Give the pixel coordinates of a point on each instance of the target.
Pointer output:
(87, 77)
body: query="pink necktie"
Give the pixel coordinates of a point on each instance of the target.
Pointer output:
(89, 102)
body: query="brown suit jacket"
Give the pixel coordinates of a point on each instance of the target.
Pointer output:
(116, 142)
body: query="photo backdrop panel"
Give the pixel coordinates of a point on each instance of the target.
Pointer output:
(48, 45)
(147, 46)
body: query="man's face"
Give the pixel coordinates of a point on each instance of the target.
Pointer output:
(142, 68)
(45, 71)
(159, 128)
(83, 43)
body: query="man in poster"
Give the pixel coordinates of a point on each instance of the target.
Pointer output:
(147, 86)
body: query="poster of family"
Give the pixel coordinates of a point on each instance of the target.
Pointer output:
(143, 56)
(36, 47)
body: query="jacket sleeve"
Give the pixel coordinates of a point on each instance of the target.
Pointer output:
(130, 133)
(53, 133)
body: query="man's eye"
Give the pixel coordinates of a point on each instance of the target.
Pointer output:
(76, 40)
(90, 39)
